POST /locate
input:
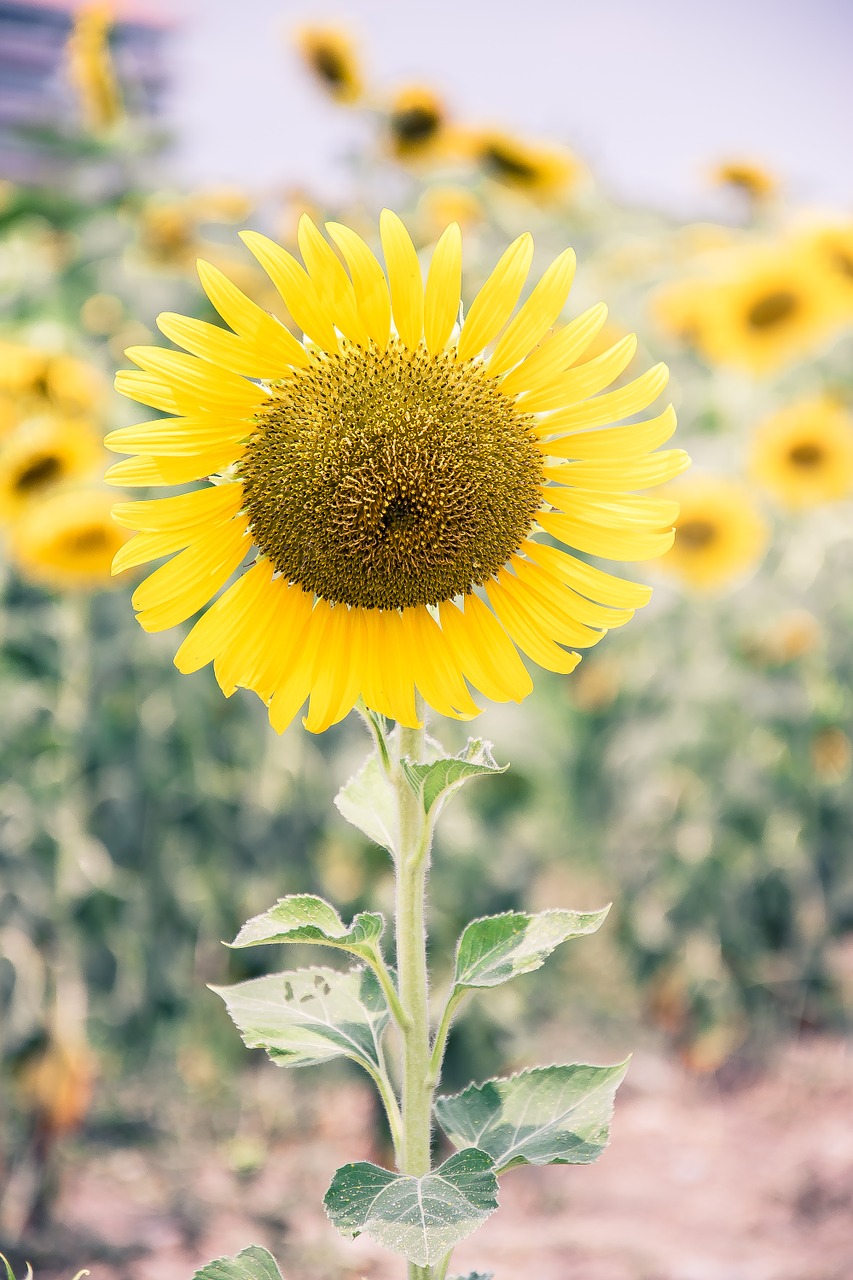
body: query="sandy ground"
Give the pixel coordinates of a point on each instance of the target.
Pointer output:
(754, 1182)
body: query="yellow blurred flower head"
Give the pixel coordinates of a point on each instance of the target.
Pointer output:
(803, 454)
(68, 540)
(330, 55)
(744, 175)
(43, 455)
(543, 172)
(381, 487)
(831, 246)
(720, 536)
(91, 69)
(416, 121)
(38, 381)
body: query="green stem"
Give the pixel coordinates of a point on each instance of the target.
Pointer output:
(439, 1044)
(412, 866)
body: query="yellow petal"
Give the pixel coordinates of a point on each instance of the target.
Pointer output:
(614, 510)
(338, 664)
(615, 473)
(176, 590)
(632, 441)
(293, 283)
(371, 287)
(197, 381)
(332, 282)
(588, 579)
(584, 610)
(556, 353)
(525, 630)
(291, 691)
(160, 515)
(182, 437)
(147, 390)
(555, 604)
(612, 544)
(629, 399)
(397, 683)
(582, 380)
(243, 651)
(249, 320)
(404, 278)
(443, 289)
(219, 347)
(494, 304)
(536, 317)
(437, 675)
(145, 472)
(231, 612)
(484, 651)
(287, 638)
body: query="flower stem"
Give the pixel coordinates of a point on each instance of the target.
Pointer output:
(412, 866)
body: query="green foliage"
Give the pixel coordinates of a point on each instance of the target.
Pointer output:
(303, 917)
(310, 1016)
(254, 1263)
(367, 801)
(435, 782)
(498, 948)
(421, 1218)
(548, 1115)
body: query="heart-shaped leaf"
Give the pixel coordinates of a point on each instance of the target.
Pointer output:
(497, 948)
(253, 1263)
(549, 1115)
(369, 803)
(310, 1016)
(421, 1218)
(302, 917)
(436, 781)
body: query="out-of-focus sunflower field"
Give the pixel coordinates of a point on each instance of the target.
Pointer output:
(695, 769)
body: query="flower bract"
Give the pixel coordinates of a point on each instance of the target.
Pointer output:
(384, 490)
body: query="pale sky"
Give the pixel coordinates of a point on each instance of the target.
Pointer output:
(650, 92)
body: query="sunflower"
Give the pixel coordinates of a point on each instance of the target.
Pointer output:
(43, 455)
(804, 454)
(543, 172)
(38, 381)
(720, 535)
(330, 56)
(831, 247)
(380, 489)
(90, 67)
(416, 122)
(752, 179)
(765, 307)
(68, 540)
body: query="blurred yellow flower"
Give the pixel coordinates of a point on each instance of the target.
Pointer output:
(167, 231)
(68, 540)
(763, 308)
(330, 55)
(543, 172)
(90, 67)
(832, 248)
(380, 486)
(803, 454)
(744, 175)
(786, 638)
(38, 380)
(441, 205)
(416, 121)
(720, 536)
(102, 314)
(43, 455)
(832, 755)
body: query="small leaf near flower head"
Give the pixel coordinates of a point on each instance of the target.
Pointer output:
(303, 917)
(254, 1263)
(421, 1218)
(368, 802)
(309, 1016)
(497, 948)
(435, 782)
(549, 1115)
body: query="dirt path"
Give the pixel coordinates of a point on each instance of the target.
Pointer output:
(752, 1184)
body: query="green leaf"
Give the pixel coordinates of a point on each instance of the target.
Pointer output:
(368, 802)
(497, 948)
(253, 1263)
(437, 780)
(421, 1218)
(302, 917)
(548, 1115)
(310, 1016)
